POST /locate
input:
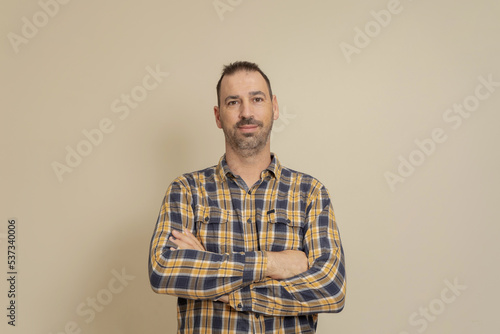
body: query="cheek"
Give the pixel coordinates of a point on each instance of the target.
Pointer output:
(229, 119)
(225, 123)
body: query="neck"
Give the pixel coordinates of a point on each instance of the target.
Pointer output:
(248, 167)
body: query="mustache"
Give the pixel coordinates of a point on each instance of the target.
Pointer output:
(248, 121)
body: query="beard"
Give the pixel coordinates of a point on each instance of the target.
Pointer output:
(248, 144)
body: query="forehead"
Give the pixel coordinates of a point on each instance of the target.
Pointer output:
(242, 82)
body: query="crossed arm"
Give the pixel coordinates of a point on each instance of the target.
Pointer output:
(272, 283)
(280, 265)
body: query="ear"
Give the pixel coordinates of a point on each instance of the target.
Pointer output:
(217, 117)
(276, 108)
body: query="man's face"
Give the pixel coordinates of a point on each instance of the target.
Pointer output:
(246, 112)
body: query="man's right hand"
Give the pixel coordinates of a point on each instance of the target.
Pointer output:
(286, 264)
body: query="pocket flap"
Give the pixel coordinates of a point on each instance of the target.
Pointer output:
(211, 215)
(281, 216)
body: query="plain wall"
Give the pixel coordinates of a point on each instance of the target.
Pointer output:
(386, 102)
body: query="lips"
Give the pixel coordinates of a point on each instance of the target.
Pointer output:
(248, 129)
(248, 123)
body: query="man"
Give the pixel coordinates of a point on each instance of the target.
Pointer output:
(248, 245)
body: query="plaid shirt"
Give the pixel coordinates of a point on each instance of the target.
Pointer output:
(284, 210)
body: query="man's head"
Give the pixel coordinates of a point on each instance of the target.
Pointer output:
(242, 66)
(246, 108)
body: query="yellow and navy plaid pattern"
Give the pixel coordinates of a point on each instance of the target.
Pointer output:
(284, 210)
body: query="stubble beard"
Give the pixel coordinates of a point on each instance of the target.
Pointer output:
(248, 144)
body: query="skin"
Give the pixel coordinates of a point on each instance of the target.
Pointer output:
(245, 99)
(246, 115)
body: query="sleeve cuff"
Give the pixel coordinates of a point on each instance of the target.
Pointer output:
(255, 267)
(254, 271)
(241, 300)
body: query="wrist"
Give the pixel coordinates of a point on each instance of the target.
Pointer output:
(271, 264)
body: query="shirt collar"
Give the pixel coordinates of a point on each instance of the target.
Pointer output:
(274, 168)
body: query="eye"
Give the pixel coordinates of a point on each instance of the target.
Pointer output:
(258, 99)
(232, 103)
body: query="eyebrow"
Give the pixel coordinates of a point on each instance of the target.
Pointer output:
(253, 93)
(257, 92)
(231, 97)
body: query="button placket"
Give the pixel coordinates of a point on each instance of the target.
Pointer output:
(248, 214)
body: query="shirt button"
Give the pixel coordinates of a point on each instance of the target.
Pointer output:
(206, 218)
(239, 305)
(250, 192)
(257, 316)
(249, 220)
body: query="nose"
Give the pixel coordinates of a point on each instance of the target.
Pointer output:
(246, 110)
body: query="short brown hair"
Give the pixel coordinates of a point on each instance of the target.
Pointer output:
(242, 66)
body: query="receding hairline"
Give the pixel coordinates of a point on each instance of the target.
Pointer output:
(242, 66)
(267, 94)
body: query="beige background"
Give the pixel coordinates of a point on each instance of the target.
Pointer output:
(346, 120)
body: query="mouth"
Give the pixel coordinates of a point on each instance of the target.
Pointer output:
(248, 128)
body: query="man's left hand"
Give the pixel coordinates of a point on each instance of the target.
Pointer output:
(186, 240)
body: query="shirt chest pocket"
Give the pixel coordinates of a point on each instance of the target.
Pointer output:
(284, 231)
(211, 228)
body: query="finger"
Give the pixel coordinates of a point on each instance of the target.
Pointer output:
(224, 299)
(184, 237)
(186, 241)
(195, 239)
(182, 240)
(189, 238)
(181, 244)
